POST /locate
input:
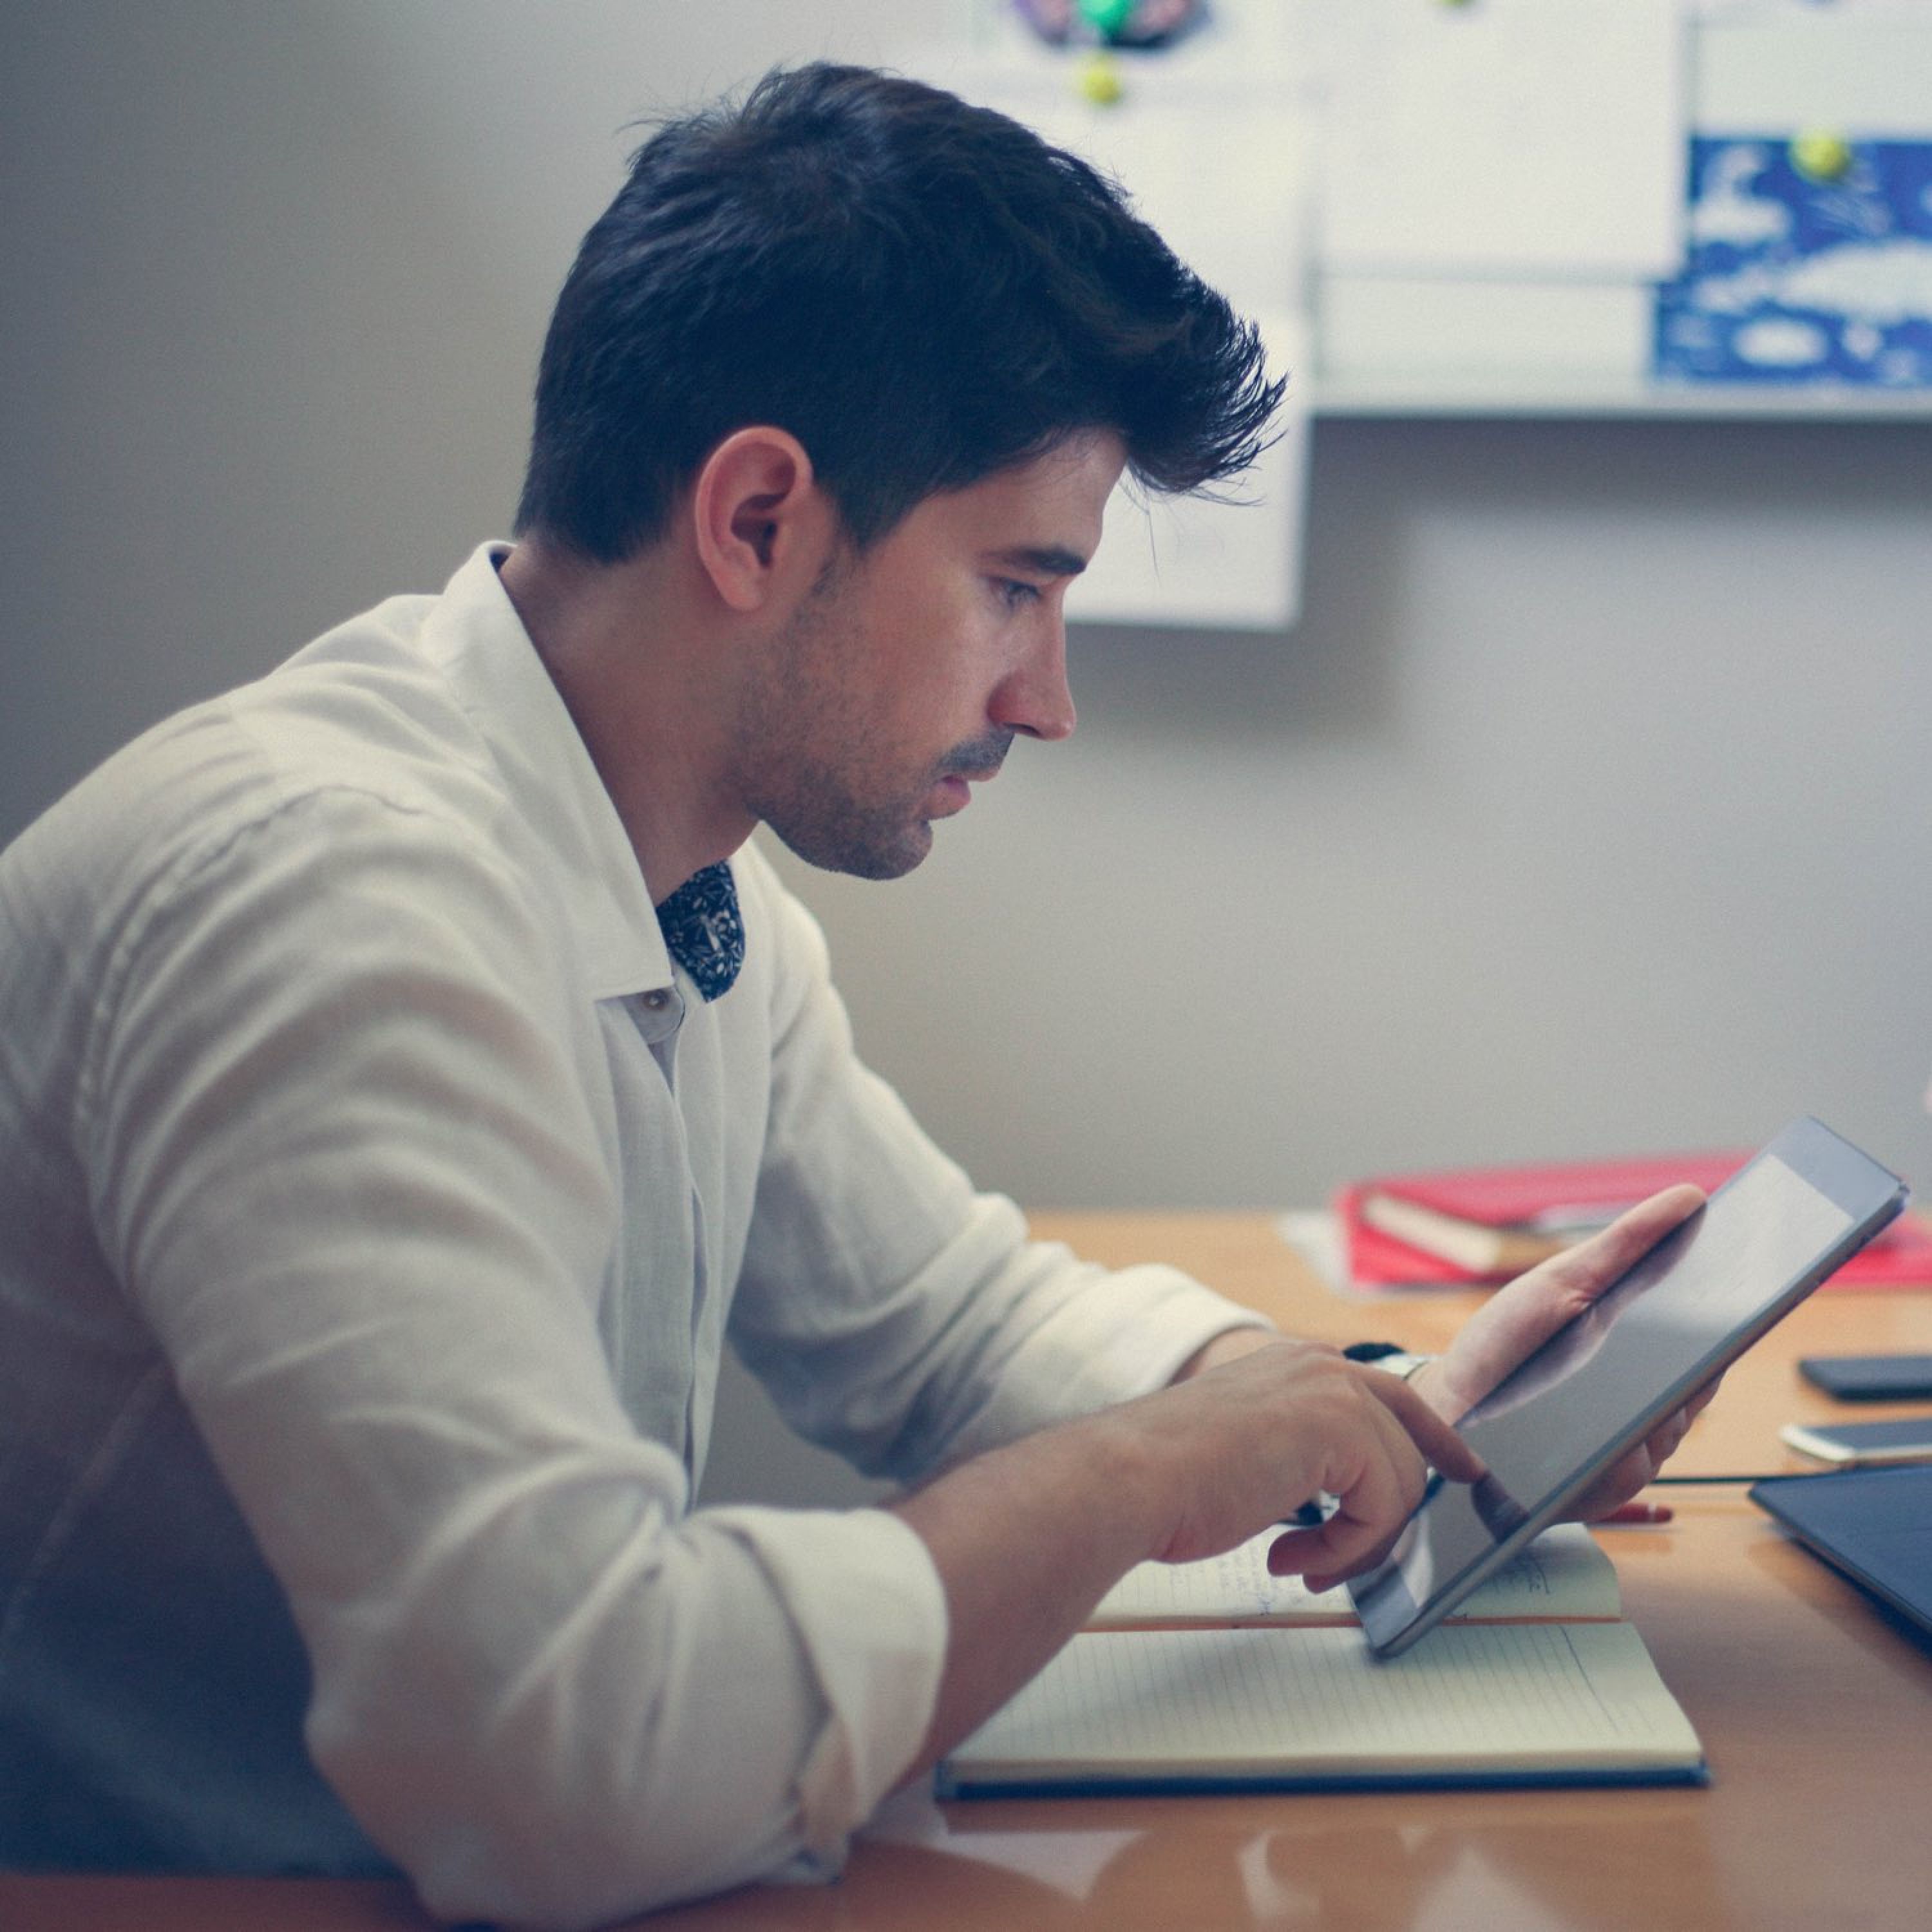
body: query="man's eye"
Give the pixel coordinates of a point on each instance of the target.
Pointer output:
(1014, 591)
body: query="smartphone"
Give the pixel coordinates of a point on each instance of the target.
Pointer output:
(1853, 1445)
(1870, 1377)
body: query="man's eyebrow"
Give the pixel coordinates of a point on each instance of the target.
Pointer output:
(1044, 559)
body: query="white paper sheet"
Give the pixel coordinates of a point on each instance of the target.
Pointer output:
(1563, 1573)
(1525, 137)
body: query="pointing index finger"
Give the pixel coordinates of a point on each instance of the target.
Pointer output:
(1440, 1446)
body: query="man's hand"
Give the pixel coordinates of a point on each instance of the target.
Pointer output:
(1518, 1319)
(1249, 1440)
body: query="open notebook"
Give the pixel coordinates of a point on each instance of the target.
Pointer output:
(1539, 1680)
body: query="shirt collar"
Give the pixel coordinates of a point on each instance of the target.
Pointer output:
(474, 636)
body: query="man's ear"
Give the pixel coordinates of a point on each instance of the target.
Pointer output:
(758, 518)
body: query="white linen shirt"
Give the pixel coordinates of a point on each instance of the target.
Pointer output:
(375, 1198)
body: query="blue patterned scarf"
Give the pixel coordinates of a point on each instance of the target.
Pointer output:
(701, 925)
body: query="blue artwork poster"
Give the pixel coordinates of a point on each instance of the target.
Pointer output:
(1791, 279)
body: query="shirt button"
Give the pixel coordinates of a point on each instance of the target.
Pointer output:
(657, 1001)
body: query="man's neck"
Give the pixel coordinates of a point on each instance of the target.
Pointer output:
(626, 647)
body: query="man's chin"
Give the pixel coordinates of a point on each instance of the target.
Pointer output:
(906, 855)
(861, 858)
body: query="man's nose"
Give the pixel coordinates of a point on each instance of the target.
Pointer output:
(1035, 697)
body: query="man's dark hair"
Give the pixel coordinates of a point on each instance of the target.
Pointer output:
(921, 291)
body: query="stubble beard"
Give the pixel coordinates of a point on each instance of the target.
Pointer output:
(809, 795)
(821, 822)
(818, 815)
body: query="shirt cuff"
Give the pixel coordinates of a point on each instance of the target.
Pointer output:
(866, 1602)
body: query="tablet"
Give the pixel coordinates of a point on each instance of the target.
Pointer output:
(1791, 1215)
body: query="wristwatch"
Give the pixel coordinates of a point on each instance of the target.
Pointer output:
(1391, 1357)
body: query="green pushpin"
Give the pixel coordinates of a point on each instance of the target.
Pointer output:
(1106, 17)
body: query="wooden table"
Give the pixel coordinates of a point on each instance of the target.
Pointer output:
(1814, 1705)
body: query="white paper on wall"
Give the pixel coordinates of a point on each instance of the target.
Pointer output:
(1192, 561)
(1531, 138)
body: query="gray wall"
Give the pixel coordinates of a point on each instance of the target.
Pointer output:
(1585, 811)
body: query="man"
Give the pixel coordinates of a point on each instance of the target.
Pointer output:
(409, 1077)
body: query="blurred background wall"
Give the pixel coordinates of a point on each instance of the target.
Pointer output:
(1586, 810)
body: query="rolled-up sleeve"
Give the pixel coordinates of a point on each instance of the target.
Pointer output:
(703, 1719)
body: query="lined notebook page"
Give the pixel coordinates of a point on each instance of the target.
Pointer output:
(1310, 1702)
(1563, 1573)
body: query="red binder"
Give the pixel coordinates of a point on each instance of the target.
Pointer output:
(1560, 1199)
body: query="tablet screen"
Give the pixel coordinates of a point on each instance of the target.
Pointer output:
(1707, 1289)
